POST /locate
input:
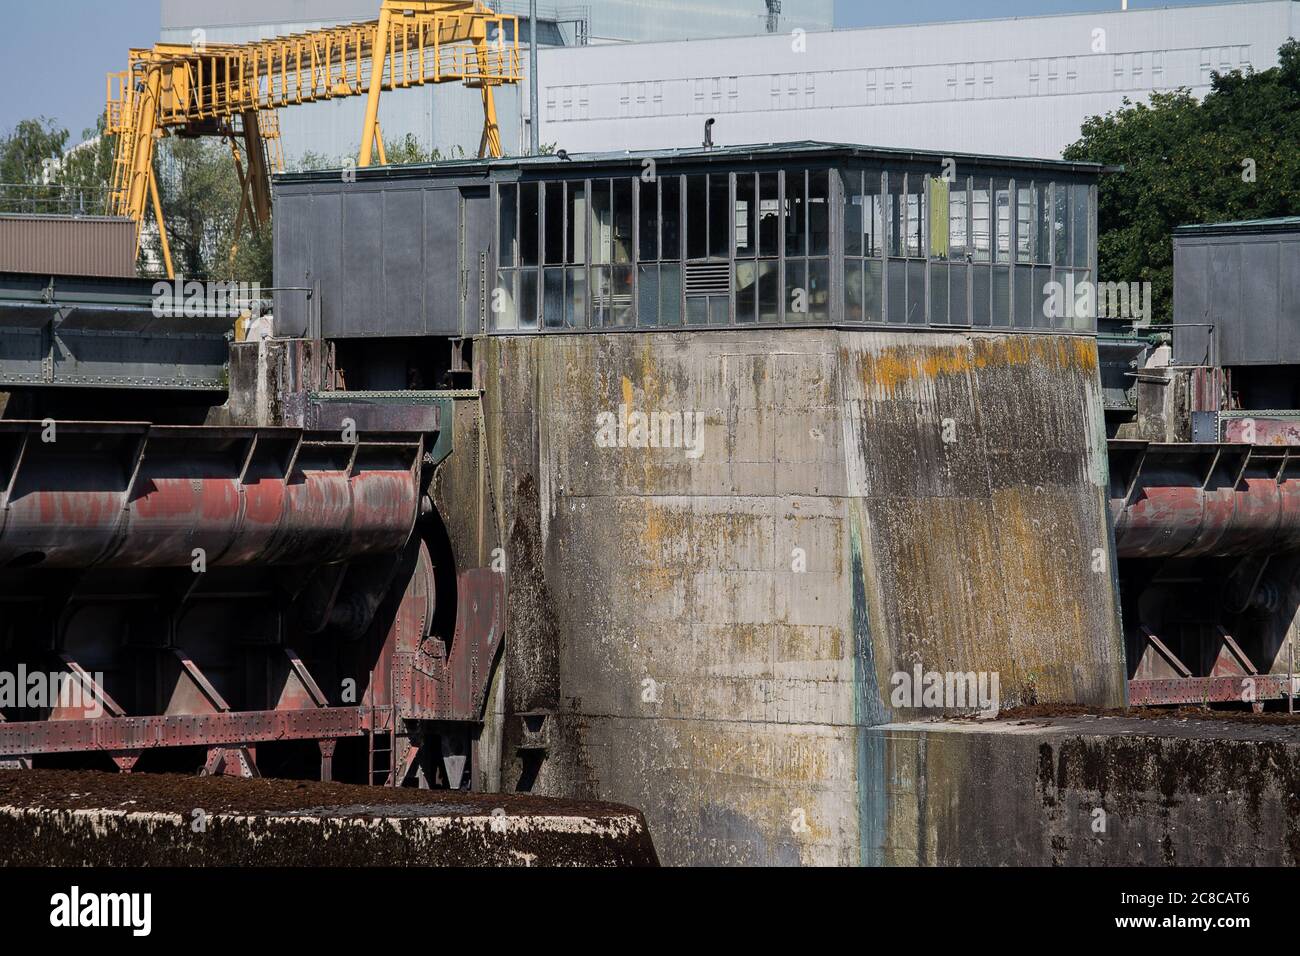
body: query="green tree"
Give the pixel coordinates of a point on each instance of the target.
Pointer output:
(200, 192)
(25, 151)
(1234, 155)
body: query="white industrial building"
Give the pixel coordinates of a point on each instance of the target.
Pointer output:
(1019, 87)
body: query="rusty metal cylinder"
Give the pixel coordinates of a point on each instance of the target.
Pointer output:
(1194, 501)
(133, 496)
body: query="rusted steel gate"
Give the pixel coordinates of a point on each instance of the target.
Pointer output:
(1202, 532)
(225, 588)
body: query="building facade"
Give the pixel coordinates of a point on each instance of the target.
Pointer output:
(1019, 87)
(795, 234)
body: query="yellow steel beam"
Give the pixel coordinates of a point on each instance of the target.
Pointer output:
(162, 225)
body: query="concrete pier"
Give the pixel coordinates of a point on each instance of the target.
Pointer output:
(705, 626)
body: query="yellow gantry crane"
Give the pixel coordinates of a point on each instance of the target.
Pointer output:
(233, 91)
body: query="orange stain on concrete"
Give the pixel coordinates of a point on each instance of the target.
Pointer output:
(890, 367)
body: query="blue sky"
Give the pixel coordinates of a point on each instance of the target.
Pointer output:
(57, 52)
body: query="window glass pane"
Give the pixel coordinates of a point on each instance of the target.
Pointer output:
(505, 313)
(1043, 222)
(602, 224)
(796, 214)
(819, 212)
(648, 248)
(958, 274)
(623, 221)
(1081, 230)
(508, 212)
(915, 215)
(621, 295)
(896, 292)
(1084, 320)
(980, 221)
(670, 208)
(958, 214)
(746, 292)
(697, 310)
(796, 292)
(1024, 297)
(854, 220)
(697, 217)
(916, 293)
(853, 291)
(670, 295)
(719, 310)
(529, 223)
(938, 293)
(897, 215)
(746, 216)
(874, 207)
(769, 215)
(1002, 202)
(1065, 317)
(553, 298)
(528, 299)
(600, 296)
(554, 245)
(1001, 296)
(577, 238)
(575, 315)
(719, 216)
(1024, 222)
(871, 291)
(980, 292)
(769, 291)
(647, 295)
(1061, 223)
(1042, 276)
(819, 289)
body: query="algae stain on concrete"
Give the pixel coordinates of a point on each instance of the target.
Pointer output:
(867, 711)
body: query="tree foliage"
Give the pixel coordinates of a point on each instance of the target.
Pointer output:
(1234, 155)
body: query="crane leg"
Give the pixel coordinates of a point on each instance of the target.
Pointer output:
(378, 59)
(162, 223)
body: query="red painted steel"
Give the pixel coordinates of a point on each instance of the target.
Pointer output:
(1262, 431)
(1194, 500)
(1197, 690)
(135, 496)
(144, 733)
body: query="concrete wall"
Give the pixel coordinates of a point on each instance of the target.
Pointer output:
(707, 637)
(1085, 792)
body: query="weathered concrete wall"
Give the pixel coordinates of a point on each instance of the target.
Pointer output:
(711, 627)
(1085, 792)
